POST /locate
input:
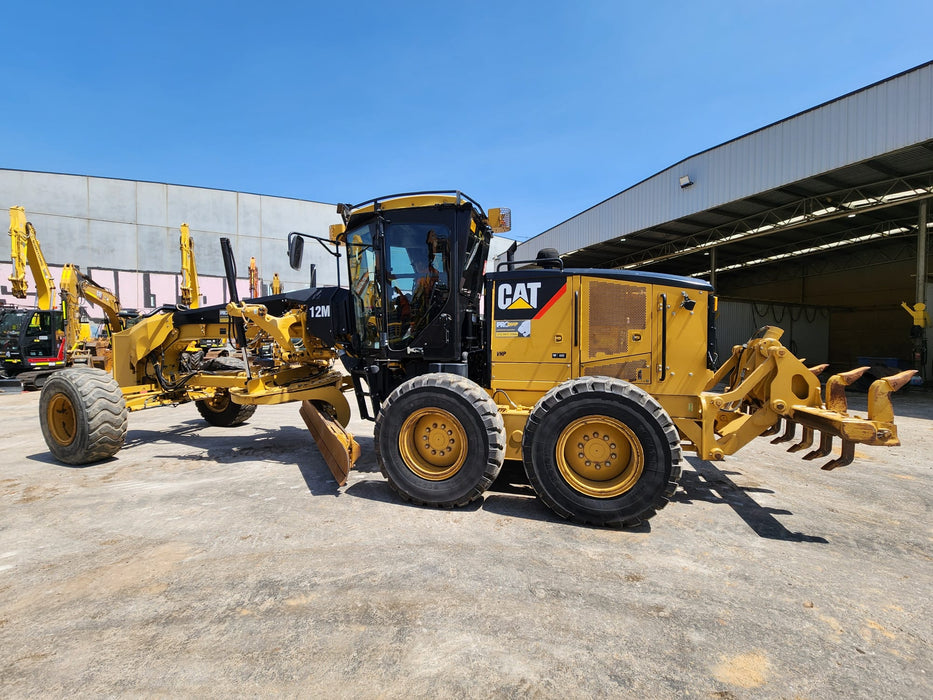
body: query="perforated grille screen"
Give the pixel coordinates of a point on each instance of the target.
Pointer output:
(613, 309)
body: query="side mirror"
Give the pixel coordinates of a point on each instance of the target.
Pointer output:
(296, 249)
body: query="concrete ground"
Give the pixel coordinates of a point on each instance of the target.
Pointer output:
(217, 562)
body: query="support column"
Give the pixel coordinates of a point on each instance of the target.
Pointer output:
(919, 333)
(712, 266)
(921, 295)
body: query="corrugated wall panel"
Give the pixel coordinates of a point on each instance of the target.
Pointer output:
(806, 329)
(885, 117)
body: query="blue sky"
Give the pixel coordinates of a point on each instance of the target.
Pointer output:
(545, 108)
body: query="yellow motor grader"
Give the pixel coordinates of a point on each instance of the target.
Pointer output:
(597, 380)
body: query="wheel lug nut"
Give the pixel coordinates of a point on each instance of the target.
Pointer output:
(613, 456)
(588, 463)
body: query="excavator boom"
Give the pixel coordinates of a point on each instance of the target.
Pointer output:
(25, 250)
(190, 292)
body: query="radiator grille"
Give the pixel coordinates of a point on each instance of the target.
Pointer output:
(613, 309)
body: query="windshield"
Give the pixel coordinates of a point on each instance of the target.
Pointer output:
(365, 285)
(11, 322)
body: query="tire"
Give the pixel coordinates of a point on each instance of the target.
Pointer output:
(222, 412)
(440, 440)
(601, 451)
(83, 415)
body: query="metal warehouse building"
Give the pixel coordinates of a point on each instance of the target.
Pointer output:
(817, 223)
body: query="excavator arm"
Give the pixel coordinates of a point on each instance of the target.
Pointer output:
(25, 250)
(190, 292)
(76, 286)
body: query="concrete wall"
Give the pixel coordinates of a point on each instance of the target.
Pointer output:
(126, 233)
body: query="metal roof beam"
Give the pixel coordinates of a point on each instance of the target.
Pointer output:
(897, 228)
(824, 207)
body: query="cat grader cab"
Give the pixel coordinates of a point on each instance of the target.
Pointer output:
(596, 380)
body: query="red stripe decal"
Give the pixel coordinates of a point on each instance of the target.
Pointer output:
(558, 295)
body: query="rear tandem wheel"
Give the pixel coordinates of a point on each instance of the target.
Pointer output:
(602, 451)
(439, 440)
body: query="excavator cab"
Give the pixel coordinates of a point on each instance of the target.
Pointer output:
(31, 339)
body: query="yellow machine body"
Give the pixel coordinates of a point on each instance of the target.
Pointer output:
(551, 326)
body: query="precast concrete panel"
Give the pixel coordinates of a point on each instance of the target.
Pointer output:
(12, 189)
(152, 205)
(274, 258)
(64, 239)
(114, 245)
(249, 214)
(111, 200)
(204, 210)
(207, 253)
(60, 195)
(281, 216)
(158, 250)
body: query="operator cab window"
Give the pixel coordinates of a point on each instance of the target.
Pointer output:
(418, 260)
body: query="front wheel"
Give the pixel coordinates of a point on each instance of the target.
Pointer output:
(601, 451)
(221, 411)
(82, 414)
(440, 440)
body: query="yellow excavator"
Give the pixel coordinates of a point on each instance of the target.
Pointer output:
(190, 289)
(36, 342)
(596, 380)
(80, 349)
(25, 250)
(30, 338)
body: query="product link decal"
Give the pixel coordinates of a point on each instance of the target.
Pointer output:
(513, 329)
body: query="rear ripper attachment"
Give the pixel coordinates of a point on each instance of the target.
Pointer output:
(770, 391)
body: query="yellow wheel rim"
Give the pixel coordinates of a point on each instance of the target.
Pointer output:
(600, 456)
(62, 419)
(218, 402)
(433, 444)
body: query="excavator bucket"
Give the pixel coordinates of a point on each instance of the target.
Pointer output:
(337, 446)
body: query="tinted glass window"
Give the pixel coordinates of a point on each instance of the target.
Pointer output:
(418, 260)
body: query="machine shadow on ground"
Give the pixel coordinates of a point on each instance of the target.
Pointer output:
(710, 484)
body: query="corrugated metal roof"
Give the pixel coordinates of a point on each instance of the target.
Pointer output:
(749, 172)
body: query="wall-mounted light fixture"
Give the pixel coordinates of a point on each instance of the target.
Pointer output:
(685, 181)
